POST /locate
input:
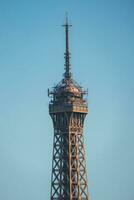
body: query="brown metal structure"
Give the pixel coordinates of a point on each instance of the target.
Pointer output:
(68, 109)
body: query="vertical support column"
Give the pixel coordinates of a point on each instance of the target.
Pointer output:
(78, 177)
(60, 164)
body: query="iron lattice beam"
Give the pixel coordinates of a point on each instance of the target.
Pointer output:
(69, 179)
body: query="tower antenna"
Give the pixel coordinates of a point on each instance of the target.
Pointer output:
(67, 73)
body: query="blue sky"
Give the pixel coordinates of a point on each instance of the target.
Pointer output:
(31, 60)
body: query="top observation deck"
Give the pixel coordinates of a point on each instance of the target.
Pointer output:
(67, 97)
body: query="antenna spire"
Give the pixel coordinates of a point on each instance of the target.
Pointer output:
(67, 53)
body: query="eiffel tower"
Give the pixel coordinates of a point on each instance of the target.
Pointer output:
(68, 109)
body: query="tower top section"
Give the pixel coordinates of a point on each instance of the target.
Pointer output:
(67, 54)
(67, 95)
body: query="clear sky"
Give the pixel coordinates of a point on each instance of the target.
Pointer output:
(31, 60)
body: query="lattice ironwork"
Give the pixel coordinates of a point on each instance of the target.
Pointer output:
(68, 109)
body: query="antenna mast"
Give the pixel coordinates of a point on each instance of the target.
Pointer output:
(67, 53)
